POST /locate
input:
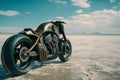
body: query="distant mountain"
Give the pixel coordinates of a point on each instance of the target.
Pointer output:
(74, 33)
(98, 33)
(92, 33)
(6, 33)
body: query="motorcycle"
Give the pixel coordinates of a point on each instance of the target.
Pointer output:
(47, 42)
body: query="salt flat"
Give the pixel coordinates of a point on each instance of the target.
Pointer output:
(93, 58)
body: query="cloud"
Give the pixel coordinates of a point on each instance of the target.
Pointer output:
(114, 7)
(10, 29)
(59, 1)
(79, 11)
(60, 18)
(81, 3)
(112, 1)
(27, 12)
(101, 21)
(9, 13)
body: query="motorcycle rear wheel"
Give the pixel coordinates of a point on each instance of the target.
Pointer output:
(12, 53)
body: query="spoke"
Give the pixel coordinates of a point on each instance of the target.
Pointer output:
(17, 50)
(18, 62)
(22, 45)
(18, 46)
(67, 52)
(21, 64)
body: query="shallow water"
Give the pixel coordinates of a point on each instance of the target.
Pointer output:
(93, 58)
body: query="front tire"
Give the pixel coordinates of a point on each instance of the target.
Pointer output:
(65, 50)
(11, 57)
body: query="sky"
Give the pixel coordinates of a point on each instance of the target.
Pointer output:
(81, 16)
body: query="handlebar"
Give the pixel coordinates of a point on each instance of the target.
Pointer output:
(58, 22)
(61, 22)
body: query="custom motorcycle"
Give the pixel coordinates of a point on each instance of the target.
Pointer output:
(47, 42)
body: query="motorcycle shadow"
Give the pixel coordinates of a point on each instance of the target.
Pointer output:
(45, 63)
(4, 75)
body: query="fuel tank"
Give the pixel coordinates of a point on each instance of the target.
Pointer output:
(47, 27)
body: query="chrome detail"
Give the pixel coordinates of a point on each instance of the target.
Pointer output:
(48, 27)
(42, 52)
(29, 32)
(23, 55)
(33, 53)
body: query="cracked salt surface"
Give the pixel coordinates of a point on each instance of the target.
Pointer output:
(93, 58)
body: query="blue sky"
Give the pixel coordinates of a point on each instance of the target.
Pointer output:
(81, 15)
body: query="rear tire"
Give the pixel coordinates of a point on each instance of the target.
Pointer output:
(65, 50)
(10, 55)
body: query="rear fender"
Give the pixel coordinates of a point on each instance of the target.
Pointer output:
(30, 34)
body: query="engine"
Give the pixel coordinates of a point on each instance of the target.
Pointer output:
(51, 42)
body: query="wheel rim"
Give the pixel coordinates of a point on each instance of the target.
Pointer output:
(23, 55)
(67, 50)
(21, 61)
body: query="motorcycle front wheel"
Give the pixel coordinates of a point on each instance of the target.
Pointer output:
(14, 57)
(65, 50)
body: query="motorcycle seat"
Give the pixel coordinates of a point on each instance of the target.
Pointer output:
(29, 29)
